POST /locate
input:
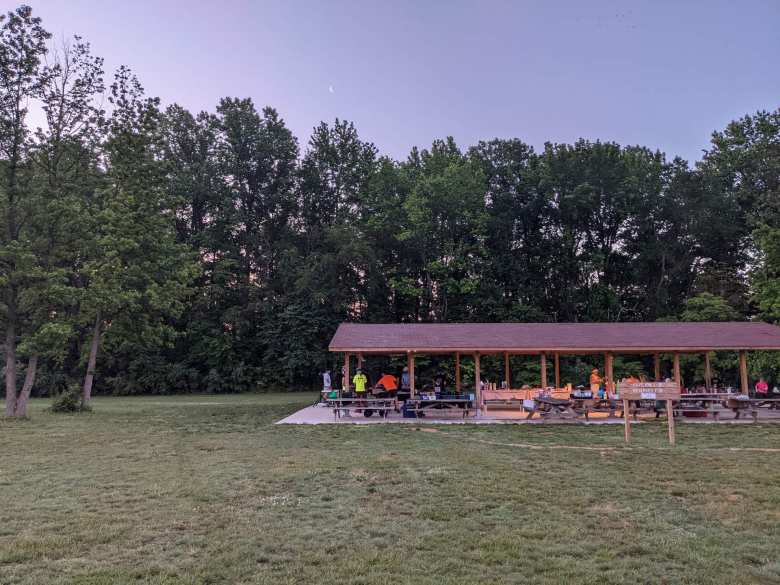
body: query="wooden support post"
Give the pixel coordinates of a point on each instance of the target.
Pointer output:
(345, 385)
(670, 420)
(544, 370)
(609, 382)
(477, 383)
(626, 422)
(743, 373)
(506, 369)
(557, 359)
(677, 376)
(410, 365)
(707, 371)
(457, 373)
(657, 367)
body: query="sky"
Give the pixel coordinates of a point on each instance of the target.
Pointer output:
(661, 73)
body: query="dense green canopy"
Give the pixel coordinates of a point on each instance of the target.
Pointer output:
(170, 251)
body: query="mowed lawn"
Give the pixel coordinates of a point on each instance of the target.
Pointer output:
(206, 490)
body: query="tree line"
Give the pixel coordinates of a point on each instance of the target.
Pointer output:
(160, 250)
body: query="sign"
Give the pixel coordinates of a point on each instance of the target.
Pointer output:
(650, 391)
(666, 391)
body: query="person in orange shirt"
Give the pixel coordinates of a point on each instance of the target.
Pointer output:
(387, 383)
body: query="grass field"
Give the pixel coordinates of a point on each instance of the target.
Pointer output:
(206, 490)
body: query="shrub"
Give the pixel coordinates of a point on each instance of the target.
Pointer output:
(69, 401)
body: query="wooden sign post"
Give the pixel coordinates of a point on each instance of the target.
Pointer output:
(667, 391)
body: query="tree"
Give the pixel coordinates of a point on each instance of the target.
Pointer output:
(64, 159)
(515, 282)
(22, 47)
(700, 308)
(744, 162)
(232, 176)
(444, 233)
(203, 251)
(743, 165)
(135, 273)
(708, 307)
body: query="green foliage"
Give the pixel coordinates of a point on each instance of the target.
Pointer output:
(69, 401)
(708, 307)
(766, 273)
(207, 252)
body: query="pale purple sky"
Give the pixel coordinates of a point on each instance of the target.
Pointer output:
(661, 73)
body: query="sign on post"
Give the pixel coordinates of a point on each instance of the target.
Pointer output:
(666, 391)
(650, 391)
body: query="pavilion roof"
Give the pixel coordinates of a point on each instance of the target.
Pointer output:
(561, 337)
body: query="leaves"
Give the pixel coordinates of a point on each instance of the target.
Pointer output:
(220, 257)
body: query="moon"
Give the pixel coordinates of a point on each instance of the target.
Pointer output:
(331, 89)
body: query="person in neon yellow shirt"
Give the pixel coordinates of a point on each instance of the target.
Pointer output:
(360, 381)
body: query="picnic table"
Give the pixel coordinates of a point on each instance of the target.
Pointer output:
(368, 406)
(714, 403)
(587, 405)
(739, 404)
(420, 406)
(548, 407)
(505, 398)
(697, 405)
(771, 403)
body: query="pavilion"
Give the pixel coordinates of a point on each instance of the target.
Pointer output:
(555, 339)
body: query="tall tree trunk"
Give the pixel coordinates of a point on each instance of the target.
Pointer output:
(10, 358)
(29, 380)
(86, 391)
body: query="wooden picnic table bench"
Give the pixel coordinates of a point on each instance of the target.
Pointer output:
(688, 404)
(714, 404)
(587, 405)
(368, 406)
(505, 398)
(697, 406)
(547, 407)
(771, 403)
(504, 403)
(421, 406)
(741, 405)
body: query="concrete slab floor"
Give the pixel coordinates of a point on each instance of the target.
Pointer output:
(321, 415)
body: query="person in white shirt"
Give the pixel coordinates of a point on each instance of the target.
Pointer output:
(327, 385)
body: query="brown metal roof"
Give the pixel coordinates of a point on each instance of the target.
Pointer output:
(563, 337)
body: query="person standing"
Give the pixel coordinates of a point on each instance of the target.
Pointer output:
(595, 383)
(327, 385)
(437, 384)
(406, 385)
(360, 381)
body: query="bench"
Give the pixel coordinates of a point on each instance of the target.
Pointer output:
(550, 408)
(739, 406)
(367, 411)
(682, 409)
(420, 406)
(368, 406)
(504, 403)
(586, 406)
